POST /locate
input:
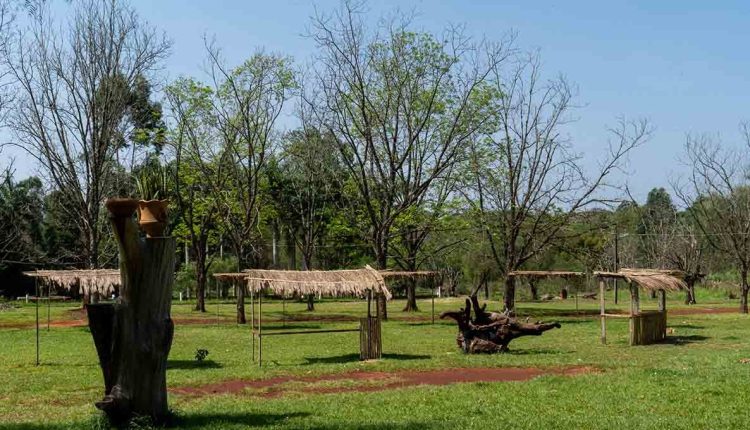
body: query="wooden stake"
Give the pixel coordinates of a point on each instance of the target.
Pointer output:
(602, 312)
(36, 288)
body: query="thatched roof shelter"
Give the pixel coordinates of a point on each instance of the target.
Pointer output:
(103, 281)
(354, 282)
(648, 279)
(538, 274)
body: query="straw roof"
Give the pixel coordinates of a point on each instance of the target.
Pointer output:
(546, 274)
(356, 282)
(103, 281)
(649, 279)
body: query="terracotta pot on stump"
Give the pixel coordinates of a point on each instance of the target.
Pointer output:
(152, 217)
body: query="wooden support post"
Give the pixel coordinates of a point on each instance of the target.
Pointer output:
(433, 304)
(602, 312)
(252, 321)
(49, 301)
(369, 303)
(260, 328)
(662, 300)
(36, 288)
(635, 301)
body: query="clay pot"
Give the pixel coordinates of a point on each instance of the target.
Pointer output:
(152, 217)
(121, 207)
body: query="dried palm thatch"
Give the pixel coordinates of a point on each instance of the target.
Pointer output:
(649, 279)
(389, 275)
(546, 274)
(356, 282)
(86, 282)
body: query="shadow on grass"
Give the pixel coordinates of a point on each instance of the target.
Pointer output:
(350, 358)
(547, 312)
(192, 364)
(278, 326)
(536, 351)
(684, 340)
(689, 326)
(192, 421)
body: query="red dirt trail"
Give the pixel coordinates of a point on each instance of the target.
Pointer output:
(274, 387)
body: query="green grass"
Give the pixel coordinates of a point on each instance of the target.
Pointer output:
(695, 381)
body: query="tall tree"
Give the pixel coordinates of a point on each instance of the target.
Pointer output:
(306, 188)
(717, 194)
(246, 104)
(73, 90)
(657, 223)
(528, 183)
(199, 171)
(402, 106)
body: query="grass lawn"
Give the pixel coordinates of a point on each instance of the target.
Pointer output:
(697, 380)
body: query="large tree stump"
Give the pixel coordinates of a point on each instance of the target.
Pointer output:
(133, 337)
(490, 332)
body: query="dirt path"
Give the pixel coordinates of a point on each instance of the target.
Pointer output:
(358, 381)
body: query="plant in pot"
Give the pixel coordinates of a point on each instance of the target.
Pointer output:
(152, 187)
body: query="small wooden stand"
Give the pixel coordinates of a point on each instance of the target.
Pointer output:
(370, 343)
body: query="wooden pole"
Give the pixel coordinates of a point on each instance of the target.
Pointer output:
(617, 261)
(635, 301)
(49, 300)
(252, 321)
(283, 310)
(602, 312)
(369, 303)
(662, 300)
(260, 328)
(433, 304)
(36, 288)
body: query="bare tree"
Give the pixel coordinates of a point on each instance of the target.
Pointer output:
(402, 106)
(247, 101)
(527, 182)
(72, 89)
(717, 194)
(685, 252)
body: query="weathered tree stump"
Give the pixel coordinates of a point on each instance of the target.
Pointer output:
(133, 337)
(490, 332)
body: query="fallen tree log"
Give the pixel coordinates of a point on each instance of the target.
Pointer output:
(490, 332)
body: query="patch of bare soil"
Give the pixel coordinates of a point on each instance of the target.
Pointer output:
(369, 381)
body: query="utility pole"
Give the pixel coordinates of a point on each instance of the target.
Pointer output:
(617, 259)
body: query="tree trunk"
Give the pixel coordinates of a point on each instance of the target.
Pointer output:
(382, 307)
(311, 302)
(241, 303)
(509, 295)
(744, 290)
(534, 289)
(690, 293)
(133, 337)
(200, 288)
(411, 296)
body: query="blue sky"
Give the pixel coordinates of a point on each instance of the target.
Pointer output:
(682, 64)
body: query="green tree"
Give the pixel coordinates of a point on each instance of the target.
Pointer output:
(402, 106)
(199, 171)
